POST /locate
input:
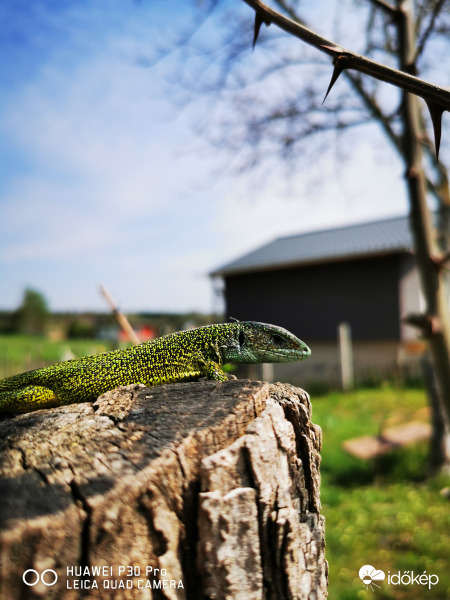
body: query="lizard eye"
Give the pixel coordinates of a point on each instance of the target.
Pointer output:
(277, 339)
(241, 338)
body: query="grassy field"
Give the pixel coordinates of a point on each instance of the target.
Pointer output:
(20, 353)
(387, 513)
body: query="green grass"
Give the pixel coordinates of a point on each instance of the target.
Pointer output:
(387, 512)
(19, 353)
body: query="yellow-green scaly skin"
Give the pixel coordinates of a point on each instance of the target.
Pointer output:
(183, 356)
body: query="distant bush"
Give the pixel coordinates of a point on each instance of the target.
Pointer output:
(78, 330)
(32, 315)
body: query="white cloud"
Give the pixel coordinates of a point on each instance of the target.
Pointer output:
(104, 147)
(109, 196)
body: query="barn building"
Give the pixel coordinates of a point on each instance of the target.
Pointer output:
(363, 275)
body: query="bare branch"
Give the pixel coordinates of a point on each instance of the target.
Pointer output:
(374, 109)
(384, 6)
(426, 34)
(355, 81)
(290, 11)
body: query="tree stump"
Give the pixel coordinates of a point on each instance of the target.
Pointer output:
(185, 491)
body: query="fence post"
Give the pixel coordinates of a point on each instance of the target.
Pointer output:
(346, 356)
(267, 372)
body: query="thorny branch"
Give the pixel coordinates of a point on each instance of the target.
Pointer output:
(437, 98)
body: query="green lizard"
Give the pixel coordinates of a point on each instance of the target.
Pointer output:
(182, 356)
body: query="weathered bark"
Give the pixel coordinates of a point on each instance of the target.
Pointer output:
(440, 438)
(217, 484)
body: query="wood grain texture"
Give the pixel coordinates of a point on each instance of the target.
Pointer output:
(217, 483)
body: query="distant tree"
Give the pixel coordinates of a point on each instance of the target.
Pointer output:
(31, 317)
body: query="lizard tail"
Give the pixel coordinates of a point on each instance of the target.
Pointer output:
(31, 397)
(16, 382)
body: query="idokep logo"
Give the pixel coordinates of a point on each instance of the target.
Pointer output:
(31, 577)
(370, 576)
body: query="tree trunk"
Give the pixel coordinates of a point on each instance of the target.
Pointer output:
(440, 437)
(435, 325)
(200, 490)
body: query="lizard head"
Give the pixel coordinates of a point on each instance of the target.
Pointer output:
(254, 342)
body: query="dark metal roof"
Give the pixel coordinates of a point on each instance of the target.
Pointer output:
(355, 241)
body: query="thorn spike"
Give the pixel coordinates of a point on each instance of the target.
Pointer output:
(436, 118)
(338, 68)
(258, 23)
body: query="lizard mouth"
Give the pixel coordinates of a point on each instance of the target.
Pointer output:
(278, 355)
(282, 355)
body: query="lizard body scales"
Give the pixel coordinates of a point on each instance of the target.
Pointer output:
(182, 356)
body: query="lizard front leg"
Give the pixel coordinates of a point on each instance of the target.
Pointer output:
(214, 371)
(209, 368)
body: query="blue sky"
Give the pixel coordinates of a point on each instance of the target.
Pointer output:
(103, 179)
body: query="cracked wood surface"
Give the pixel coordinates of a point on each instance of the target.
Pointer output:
(217, 483)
